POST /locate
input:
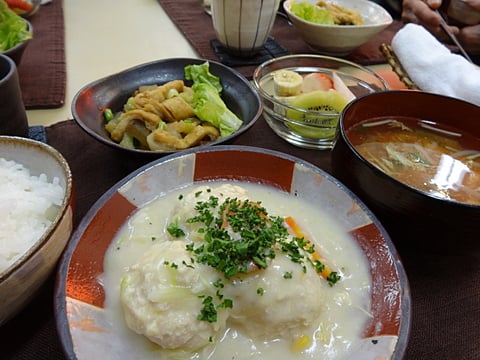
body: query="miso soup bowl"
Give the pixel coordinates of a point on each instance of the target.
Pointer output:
(421, 220)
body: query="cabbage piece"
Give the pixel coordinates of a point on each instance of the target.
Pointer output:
(312, 13)
(13, 29)
(200, 74)
(207, 104)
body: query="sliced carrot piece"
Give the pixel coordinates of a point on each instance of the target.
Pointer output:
(315, 256)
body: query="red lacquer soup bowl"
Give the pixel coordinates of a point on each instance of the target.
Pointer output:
(81, 295)
(424, 186)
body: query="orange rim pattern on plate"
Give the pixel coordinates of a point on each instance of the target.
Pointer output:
(82, 263)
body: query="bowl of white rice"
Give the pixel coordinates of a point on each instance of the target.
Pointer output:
(36, 208)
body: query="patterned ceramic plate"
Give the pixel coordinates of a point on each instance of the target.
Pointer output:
(83, 325)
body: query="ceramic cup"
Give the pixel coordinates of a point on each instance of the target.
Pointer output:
(243, 27)
(13, 118)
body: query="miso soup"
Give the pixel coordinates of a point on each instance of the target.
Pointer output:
(439, 160)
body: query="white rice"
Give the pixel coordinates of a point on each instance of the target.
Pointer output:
(28, 205)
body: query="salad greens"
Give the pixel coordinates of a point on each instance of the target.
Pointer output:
(13, 29)
(201, 74)
(207, 103)
(311, 12)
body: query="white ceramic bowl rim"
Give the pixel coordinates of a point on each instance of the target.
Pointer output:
(385, 16)
(63, 207)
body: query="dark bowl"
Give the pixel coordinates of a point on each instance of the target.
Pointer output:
(15, 53)
(419, 220)
(113, 91)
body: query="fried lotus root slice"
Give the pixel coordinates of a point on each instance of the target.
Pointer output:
(179, 139)
(175, 109)
(150, 120)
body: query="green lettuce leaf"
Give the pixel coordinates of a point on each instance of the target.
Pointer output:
(13, 29)
(201, 74)
(207, 103)
(311, 12)
(209, 107)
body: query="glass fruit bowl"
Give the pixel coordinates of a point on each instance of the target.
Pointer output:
(303, 95)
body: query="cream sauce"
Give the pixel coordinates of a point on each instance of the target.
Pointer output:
(346, 304)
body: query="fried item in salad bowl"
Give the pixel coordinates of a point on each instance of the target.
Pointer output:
(167, 106)
(231, 252)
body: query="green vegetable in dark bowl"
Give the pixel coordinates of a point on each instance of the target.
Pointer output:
(208, 105)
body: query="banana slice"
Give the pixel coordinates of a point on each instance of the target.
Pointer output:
(287, 83)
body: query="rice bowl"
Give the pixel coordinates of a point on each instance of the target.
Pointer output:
(32, 262)
(28, 203)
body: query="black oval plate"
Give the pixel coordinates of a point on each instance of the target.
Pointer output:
(114, 90)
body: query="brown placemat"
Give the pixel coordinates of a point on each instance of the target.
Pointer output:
(42, 71)
(196, 26)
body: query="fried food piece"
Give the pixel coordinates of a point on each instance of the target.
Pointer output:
(182, 135)
(157, 92)
(342, 15)
(160, 118)
(175, 109)
(151, 121)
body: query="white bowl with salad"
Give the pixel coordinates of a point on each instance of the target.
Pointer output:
(337, 27)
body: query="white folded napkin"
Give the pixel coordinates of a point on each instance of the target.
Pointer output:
(433, 67)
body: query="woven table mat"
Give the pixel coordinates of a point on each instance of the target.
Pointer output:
(42, 71)
(445, 288)
(196, 26)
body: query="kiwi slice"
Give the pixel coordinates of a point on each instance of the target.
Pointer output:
(320, 101)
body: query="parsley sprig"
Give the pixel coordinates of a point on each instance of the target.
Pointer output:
(237, 234)
(240, 235)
